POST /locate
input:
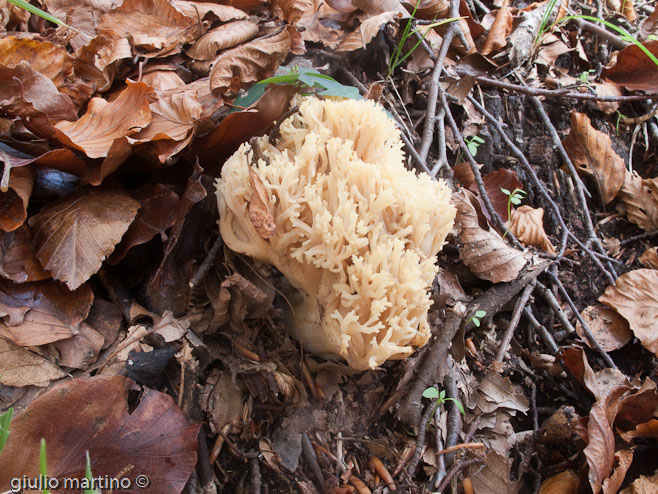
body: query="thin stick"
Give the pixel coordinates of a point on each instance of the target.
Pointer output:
(457, 447)
(455, 469)
(207, 262)
(420, 440)
(428, 129)
(541, 330)
(516, 317)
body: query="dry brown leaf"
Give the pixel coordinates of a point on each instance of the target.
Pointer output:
(635, 297)
(634, 70)
(153, 439)
(236, 68)
(607, 89)
(609, 328)
(484, 252)
(81, 350)
(494, 182)
(104, 123)
(47, 58)
(643, 484)
(650, 258)
(563, 483)
(222, 38)
(645, 429)
(21, 367)
(222, 400)
(154, 27)
(157, 213)
(640, 196)
(528, 226)
(500, 29)
(28, 93)
(17, 260)
(14, 201)
(259, 213)
(368, 29)
(623, 459)
(38, 313)
(291, 10)
(207, 10)
(73, 236)
(494, 477)
(592, 153)
(648, 26)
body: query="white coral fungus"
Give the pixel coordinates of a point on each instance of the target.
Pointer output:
(356, 232)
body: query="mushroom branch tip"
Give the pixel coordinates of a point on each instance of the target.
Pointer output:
(332, 207)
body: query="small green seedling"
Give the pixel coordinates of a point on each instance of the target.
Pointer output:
(584, 76)
(5, 419)
(620, 116)
(479, 314)
(43, 466)
(433, 393)
(472, 144)
(515, 197)
(544, 21)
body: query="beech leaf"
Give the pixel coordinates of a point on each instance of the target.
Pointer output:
(74, 235)
(527, 225)
(640, 196)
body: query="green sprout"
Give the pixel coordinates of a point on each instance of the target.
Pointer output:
(397, 58)
(544, 21)
(584, 76)
(472, 144)
(515, 197)
(433, 393)
(5, 419)
(479, 314)
(620, 116)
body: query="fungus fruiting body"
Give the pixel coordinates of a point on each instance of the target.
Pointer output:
(352, 229)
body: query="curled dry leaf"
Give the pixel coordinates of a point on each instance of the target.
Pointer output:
(592, 154)
(208, 10)
(154, 439)
(368, 29)
(642, 485)
(104, 123)
(17, 260)
(563, 483)
(648, 26)
(28, 93)
(484, 252)
(222, 38)
(39, 313)
(259, 213)
(640, 196)
(634, 297)
(494, 477)
(154, 27)
(73, 236)
(251, 62)
(47, 58)
(82, 349)
(291, 10)
(13, 201)
(609, 328)
(634, 70)
(650, 258)
(21, 367)
(528, 226)
(500, 29)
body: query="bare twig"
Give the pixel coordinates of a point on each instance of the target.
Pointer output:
(254, 469)
(207, 262)
(639, 236)
(420, 440)
(541, 331)
(430, 122)
(562, 93)
(312, 459)
(454, 470)
(516, 317)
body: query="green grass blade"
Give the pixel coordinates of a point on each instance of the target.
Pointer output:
(43, 14)
(43, 465)
(5, 419)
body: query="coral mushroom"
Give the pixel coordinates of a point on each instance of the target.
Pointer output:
(349, 226)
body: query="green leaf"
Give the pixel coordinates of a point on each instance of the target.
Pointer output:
(515, 200)
(458, 404)
(476, 322)
(252, 95)
(281, 79)
(505, 191)
(342, 92)
(5, 419)
(480, 313)
(431, 393)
